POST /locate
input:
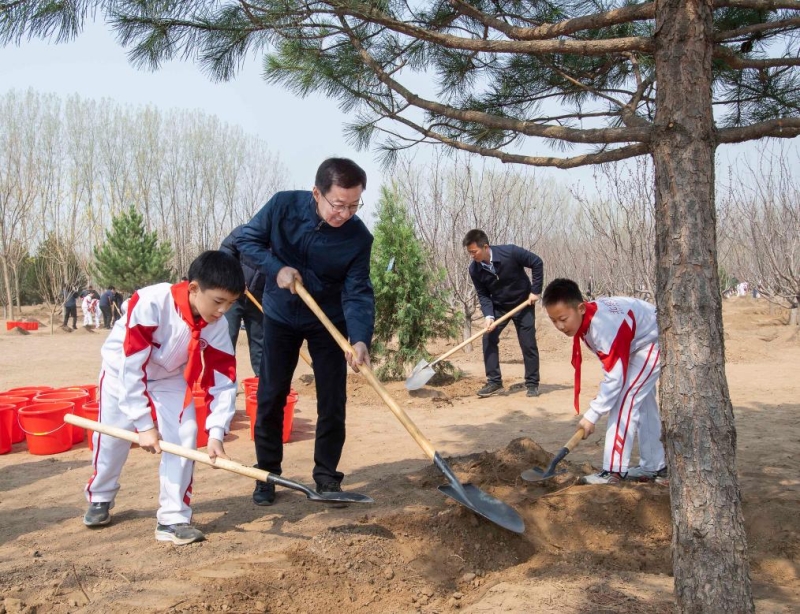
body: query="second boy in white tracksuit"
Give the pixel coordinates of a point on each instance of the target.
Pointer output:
(171, 337)
(623, 333)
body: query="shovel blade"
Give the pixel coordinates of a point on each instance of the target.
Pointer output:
(339, 497)
(537, 475)
(485, 505)
(420, 376)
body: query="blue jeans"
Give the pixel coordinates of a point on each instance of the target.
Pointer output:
(244, 309)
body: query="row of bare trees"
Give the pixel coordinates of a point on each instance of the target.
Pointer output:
(68, 166)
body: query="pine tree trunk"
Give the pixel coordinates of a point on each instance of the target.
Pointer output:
(709, 543)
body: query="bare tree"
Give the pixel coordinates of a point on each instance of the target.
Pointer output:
(765, 197)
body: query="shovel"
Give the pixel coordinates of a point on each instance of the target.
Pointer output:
(303, 354)
(221, 463)
(537, 475)
(423, 371)
(467, 495)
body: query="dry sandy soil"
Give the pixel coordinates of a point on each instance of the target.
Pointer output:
(586, 548)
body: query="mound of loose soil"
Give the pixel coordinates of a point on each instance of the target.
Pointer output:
(18, 331)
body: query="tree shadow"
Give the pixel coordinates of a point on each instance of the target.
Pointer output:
(24, 474)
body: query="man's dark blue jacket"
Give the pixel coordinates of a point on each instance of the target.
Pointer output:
(253, 278)
(333, 262)
(509, 285)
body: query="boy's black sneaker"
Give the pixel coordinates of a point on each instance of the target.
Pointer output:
(489, 389)
(533, 391)
(264, 493)
(179, 534)
(98, 514)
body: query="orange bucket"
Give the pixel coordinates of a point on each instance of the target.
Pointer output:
(44, 427)
(17, 436)
(90, 411)
(7, 415)
(27, 391)
(77, 397)
(250, 384)
(288, 415)
(201, 413)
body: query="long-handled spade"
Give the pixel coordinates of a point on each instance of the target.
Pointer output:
(222, 463)
(303, 354)
(537, 475)
(423, 370)
(468, 495)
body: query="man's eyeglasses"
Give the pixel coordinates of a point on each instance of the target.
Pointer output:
(341, 208)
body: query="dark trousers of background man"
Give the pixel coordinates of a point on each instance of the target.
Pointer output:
(525, 323)
(71, 312)
(244, 309)
(106, 311)
(281, 351)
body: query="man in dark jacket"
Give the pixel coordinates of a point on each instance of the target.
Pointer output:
(70, 296)
(498, 274)
(244, 309)
(106, 298)
(314, 237)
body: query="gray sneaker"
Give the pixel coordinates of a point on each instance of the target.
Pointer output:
(179, 534)
(637, 474)
(602, 477)
(98, 514)
(489, 389)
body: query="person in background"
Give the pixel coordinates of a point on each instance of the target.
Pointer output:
(244, 310)
(106, 299)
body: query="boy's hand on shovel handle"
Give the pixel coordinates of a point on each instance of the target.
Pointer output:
(216, 450)
(148, 441)
(588, 427)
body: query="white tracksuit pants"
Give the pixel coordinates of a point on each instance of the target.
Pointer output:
(87, 318)
(636, 413)
(111, 453)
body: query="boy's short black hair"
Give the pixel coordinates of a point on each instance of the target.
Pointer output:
(476, 236)
(562, 291)
(339, 171)
(216, 270)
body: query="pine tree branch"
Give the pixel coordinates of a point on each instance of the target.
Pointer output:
(736, 62)
(785, 128)
(758, 28)
(527, 128)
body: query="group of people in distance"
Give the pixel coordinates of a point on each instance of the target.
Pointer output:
(93, 305)
(174, 335)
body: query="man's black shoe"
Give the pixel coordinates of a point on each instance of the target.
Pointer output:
(533, 391)
(264, 494)
(490, 389)
(331, 486)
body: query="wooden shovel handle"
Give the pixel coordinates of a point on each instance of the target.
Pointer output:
(575, 439)
(401, 415)
(195, 455)
(303, 354)
(480, 333)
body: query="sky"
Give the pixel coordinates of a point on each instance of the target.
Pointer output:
(303, 131)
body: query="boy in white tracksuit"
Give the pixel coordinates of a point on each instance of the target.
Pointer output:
(623, 333)
(171, 337)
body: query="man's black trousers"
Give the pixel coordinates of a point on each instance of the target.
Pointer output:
(525, 323)
(279, 359)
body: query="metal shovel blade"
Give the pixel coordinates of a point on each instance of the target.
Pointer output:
(537, 475)
(481, 503)
(327, 497)
(420, 376)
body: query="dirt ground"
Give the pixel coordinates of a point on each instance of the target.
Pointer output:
(586, 549)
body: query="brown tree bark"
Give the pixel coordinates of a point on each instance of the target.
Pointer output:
(709, 544)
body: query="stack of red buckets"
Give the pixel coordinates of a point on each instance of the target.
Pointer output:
(250, 386)
(35, 414)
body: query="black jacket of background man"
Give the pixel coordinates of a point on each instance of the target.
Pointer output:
(253, 278)
(509, 285)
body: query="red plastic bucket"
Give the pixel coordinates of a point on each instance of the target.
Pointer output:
(7, 415)
(250, 384)
(77, 397)
(90, 411)
(17, 436)
(288, 414)
(201, 413)
(90, 389)
(27, 391)
(44, 427)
